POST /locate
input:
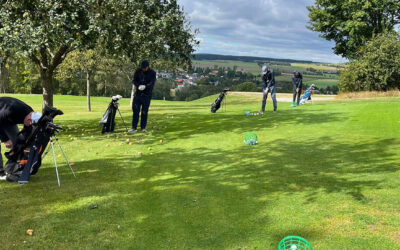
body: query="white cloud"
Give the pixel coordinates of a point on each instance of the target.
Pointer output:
(266, 28)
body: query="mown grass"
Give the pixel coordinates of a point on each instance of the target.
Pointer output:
(328, 172)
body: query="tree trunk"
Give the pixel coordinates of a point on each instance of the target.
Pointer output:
(88, 90)
(48, 90)
(47, 63)
(4, 77)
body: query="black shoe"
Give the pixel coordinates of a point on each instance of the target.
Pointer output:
(2, 173)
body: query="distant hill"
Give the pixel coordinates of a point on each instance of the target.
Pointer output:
(245, 58)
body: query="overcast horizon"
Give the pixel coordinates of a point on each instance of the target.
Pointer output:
(259, 28)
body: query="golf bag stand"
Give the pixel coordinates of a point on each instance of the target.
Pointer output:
(52, 139)
(25, 158)
(108, 119)
(217, 103)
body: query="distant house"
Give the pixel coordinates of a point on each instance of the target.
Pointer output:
(164, 75)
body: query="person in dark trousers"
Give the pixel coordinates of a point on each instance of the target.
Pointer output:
(144, 80)
(13, 112)
(297, 82)
(268, 79)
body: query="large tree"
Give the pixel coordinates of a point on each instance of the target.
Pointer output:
(377, 66)
(352, 23)
(47, 30)
(81, 61)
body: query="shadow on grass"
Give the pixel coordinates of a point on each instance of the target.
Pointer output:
(197, 122)
(199, 198)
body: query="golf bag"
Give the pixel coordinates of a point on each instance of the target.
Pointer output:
(307, 95)
(25, 158)
(217, 103)
(108, 119)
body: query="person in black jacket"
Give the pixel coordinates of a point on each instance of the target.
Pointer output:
(13, 112)
(297, 82)
(144, 80)
(268, 79)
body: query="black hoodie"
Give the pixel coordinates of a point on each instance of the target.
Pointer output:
(13, 111)
(147, 78)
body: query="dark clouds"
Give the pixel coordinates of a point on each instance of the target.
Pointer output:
(269, 28)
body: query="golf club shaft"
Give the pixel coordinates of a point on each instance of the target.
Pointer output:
(122, 120)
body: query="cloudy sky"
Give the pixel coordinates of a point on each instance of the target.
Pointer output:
(264, 28)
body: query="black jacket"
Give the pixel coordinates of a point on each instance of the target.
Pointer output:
(147, 78)
(13, 111)
(268, 79)
(297, 82)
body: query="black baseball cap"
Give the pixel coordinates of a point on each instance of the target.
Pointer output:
(144, 64)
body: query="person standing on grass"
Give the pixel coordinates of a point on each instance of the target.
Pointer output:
(268, 79)
(13, 112)
(144, 80)
(297, 82)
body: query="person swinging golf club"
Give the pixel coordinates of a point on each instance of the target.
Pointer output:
(268, 79)
(297, 82)
(144, 80)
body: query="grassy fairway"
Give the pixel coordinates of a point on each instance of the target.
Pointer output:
(328, 172)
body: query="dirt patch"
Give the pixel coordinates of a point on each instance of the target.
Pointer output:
(368, 94)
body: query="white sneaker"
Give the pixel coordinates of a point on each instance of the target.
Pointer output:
(130, 131)
(3, 178)
(144, 130)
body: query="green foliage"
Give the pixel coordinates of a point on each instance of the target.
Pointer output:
(203, 81)
(47, 30)
(377, 66)
(351, 24)
(247, 87)
(162, 89)
(192, 92)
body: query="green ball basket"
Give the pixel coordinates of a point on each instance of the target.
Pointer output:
(294, 243)
(250, 138)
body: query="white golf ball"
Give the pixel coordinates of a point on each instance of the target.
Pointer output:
(293, 247)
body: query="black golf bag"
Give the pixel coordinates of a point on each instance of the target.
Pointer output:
(108, 119)
(25, 158)
(217, 103)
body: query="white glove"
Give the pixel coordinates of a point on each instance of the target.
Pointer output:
(266, 90)
(142, 87)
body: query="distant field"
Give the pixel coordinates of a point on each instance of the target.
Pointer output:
(315, 66)
(246, 66)
(251, 66)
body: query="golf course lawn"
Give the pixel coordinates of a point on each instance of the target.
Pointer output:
(328, 172)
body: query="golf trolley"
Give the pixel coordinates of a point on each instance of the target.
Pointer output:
(108, 119)
(307, 95)
(25, 158)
